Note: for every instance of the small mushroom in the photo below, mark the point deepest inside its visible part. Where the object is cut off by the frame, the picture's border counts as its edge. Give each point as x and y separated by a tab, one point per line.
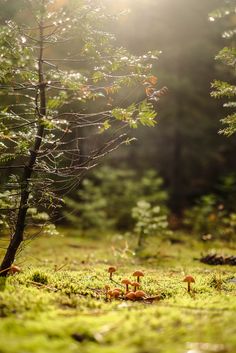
110	293
126	281
111	270
115	293
138	274
130	296
135	285
14	269
140	294
189	279
119	290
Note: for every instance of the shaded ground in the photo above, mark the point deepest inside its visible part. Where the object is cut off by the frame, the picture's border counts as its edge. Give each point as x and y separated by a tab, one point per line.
66	311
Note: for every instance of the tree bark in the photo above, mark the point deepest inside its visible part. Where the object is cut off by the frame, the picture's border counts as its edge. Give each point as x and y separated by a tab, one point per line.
18	236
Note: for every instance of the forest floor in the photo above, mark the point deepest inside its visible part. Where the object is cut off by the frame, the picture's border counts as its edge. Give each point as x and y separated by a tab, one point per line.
57	303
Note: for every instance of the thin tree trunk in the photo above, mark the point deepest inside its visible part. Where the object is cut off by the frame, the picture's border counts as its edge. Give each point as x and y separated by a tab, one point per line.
140	241
18	235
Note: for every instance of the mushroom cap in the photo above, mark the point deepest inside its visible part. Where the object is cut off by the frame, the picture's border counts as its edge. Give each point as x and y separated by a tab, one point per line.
117	289
130	296
111	269
189	279
107	287
135	284
110	293
126	281
14	269
140	294
138	273
115	293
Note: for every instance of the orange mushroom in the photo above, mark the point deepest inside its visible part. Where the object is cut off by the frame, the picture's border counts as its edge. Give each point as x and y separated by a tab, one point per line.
14	269
115	293
138	274
119	290
130	296
140	294
189	279
135	285
111	270
110	293
126	281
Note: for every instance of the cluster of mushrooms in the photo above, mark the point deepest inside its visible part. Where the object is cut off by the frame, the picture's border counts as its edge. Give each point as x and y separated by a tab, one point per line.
136	293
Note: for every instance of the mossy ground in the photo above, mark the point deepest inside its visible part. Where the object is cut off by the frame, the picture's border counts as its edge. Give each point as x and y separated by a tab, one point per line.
67	312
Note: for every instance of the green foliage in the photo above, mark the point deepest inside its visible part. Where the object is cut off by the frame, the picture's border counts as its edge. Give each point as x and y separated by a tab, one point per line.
149	221
9	203
205	216
224	11
226	189
228	227
61	77
211	219
228	57
90	212
106	199
133	115
5	204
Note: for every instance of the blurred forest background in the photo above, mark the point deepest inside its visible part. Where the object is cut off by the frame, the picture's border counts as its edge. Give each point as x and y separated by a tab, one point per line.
185	147
191	160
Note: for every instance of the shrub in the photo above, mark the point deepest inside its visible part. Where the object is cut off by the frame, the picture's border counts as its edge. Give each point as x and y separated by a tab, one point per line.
229	227
210	216
149	221
106	200
206	216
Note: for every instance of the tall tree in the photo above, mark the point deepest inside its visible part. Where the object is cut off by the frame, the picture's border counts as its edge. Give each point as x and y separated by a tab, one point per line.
56	61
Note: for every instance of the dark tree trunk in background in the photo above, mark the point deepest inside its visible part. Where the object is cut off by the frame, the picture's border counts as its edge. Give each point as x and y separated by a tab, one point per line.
177	162
176	177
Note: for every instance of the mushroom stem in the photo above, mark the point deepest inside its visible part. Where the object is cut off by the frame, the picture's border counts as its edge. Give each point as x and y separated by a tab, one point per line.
111	270
189	279
106	292
127	288
138	274
135	285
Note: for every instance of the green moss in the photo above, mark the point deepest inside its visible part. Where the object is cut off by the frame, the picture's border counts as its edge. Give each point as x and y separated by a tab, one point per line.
40	277
57	302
